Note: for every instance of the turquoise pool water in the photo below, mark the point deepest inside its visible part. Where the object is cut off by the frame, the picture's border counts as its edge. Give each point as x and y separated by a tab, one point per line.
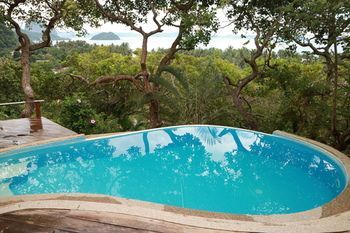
200	167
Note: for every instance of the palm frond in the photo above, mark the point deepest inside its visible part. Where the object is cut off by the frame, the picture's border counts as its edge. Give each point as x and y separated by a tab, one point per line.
166	84
178	74
208	134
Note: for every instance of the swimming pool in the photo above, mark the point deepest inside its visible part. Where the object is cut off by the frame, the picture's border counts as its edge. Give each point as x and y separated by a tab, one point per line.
210	168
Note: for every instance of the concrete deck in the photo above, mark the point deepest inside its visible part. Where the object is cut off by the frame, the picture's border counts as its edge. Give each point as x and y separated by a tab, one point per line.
17	132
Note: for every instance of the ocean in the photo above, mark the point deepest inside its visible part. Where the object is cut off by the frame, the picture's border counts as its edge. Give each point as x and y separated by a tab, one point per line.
156	42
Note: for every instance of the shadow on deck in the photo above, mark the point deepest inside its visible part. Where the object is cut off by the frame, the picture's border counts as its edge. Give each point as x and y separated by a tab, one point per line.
17	132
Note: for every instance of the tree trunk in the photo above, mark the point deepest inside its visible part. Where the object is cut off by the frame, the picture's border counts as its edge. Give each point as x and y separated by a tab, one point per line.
27	88
154	113
247	116
237	100
335	93
344	140
332	76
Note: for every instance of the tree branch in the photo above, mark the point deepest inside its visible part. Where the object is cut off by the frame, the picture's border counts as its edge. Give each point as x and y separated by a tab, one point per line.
118	18
46	36
172	50
183	7
23	38
310	45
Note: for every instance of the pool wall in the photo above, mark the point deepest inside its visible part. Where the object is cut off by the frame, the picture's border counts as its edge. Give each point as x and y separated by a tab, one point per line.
331	217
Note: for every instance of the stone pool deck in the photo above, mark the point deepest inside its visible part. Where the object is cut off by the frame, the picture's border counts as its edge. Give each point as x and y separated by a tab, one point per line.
99	213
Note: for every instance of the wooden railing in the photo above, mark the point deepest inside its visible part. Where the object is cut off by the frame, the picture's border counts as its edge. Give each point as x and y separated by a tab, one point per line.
35	122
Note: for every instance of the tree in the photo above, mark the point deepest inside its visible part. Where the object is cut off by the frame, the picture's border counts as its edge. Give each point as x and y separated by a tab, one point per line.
47	14
194	20
10	87
264	19
323	27
301	93
8	39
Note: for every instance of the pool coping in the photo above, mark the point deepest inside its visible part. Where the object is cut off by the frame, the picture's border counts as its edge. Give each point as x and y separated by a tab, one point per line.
329	217
39	143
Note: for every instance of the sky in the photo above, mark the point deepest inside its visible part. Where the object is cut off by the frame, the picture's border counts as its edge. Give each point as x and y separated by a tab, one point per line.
221	39
151	25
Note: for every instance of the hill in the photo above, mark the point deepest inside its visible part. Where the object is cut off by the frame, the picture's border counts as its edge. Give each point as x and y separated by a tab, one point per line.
34	31
36	36
105	36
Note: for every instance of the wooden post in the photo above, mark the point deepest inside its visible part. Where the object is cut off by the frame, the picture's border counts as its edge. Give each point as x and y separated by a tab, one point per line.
36	122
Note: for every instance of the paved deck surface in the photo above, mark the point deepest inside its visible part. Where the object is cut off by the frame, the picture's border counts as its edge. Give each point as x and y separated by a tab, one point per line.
17	132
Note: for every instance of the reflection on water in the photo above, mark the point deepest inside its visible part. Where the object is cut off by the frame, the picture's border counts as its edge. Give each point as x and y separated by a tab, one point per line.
208	168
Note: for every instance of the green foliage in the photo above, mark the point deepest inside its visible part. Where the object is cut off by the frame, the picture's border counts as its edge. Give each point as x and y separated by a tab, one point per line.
102	61
293	96
199	25
204	98
48	84
109	103
8	40
10	87
61	50
176	73
302	91
252	14
235	56
319	21
78	114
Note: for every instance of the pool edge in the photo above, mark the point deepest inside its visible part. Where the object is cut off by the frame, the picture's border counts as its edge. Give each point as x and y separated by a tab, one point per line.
201	220
40	143
341	203
331	216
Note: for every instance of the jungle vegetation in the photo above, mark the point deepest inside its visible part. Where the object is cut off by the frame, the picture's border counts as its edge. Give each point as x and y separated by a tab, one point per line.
100	89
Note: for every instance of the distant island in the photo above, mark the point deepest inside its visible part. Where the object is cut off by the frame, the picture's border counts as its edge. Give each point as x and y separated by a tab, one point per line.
105	36
36	36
